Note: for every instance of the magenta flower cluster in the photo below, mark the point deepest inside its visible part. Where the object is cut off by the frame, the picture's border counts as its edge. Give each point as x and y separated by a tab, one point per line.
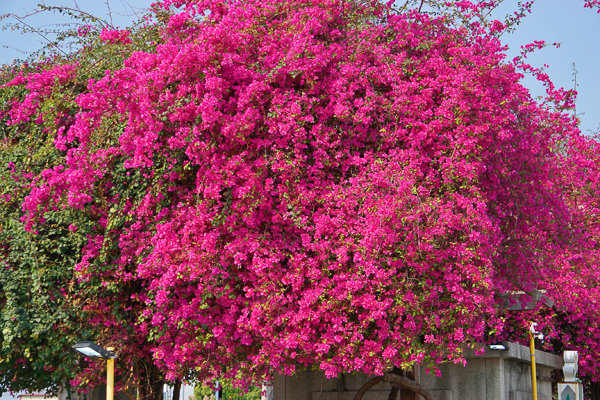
115	36
327	189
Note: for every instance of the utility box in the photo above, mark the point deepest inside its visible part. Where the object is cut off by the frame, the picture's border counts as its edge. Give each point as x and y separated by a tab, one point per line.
570	391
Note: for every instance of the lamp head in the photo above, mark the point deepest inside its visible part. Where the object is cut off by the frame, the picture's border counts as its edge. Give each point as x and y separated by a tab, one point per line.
498	346
91	349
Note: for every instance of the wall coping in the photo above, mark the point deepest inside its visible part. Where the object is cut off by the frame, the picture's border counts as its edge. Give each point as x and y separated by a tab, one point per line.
519	353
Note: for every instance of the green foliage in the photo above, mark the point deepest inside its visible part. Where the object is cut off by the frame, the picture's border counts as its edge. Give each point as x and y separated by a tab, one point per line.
38	320
41	300
200	391
229	393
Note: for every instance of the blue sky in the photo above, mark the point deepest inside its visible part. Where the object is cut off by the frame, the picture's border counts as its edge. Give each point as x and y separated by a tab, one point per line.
578	31
564	21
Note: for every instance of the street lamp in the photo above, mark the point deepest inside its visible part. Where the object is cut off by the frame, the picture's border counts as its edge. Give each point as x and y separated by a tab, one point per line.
512	301
533	334
91	349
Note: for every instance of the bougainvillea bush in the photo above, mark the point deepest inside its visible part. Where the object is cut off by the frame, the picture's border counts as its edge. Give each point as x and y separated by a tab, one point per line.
283	184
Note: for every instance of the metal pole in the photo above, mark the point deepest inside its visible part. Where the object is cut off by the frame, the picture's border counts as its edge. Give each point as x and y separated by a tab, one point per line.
110	376
533	372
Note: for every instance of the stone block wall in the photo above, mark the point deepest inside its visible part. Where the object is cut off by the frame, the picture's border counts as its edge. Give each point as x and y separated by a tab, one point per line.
495	375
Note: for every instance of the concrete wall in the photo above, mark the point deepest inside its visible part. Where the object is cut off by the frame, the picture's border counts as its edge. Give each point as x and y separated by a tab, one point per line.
490	379
312	385
495	375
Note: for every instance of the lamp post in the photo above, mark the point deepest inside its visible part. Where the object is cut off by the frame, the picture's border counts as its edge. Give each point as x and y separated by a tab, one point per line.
91	349
532	335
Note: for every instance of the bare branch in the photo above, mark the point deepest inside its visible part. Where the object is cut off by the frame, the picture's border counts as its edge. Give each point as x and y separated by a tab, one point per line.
129	395
36	31
109	12
77	10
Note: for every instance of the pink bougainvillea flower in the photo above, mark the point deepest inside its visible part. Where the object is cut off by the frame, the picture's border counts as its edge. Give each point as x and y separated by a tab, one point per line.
115	36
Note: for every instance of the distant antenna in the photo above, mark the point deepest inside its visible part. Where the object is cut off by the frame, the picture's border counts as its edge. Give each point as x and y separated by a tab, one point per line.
575	86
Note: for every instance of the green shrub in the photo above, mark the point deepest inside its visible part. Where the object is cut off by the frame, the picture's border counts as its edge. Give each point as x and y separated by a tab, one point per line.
228	393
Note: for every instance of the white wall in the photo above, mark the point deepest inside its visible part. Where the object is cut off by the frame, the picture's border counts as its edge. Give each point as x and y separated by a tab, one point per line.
15	396
184	394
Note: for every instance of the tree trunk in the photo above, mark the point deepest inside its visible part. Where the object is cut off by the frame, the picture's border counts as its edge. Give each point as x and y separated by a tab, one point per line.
373	382
406	383
158	385
151	383
177	389
407	394
398	382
